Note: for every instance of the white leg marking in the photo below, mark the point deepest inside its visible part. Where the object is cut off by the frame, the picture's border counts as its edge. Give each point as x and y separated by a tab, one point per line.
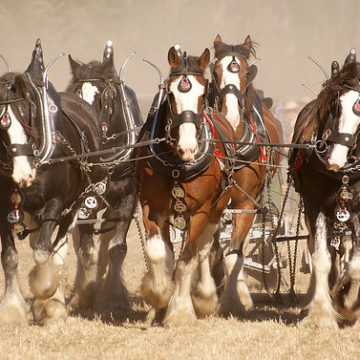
321	310
205	299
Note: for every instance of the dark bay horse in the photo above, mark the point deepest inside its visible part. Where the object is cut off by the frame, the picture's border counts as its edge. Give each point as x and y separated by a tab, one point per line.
327	177
233	94
100	237
38	124
183	183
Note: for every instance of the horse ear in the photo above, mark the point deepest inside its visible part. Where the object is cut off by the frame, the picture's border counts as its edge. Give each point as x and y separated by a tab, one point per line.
351	58
217	41
335	68
36	67
108	55
73	64
173	58
204	59
248	44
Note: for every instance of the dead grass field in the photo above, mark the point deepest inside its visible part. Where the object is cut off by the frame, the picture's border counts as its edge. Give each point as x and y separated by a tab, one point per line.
267	332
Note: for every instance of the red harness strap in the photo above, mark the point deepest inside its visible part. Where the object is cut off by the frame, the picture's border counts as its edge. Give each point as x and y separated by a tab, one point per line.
299	160
216	152
263	155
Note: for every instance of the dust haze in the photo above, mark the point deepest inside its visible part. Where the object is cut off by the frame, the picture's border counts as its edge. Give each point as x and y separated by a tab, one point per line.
287	32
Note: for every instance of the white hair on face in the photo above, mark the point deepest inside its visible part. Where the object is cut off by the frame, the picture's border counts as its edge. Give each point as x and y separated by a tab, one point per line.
22	170
89	92
348	123
187	101
231	100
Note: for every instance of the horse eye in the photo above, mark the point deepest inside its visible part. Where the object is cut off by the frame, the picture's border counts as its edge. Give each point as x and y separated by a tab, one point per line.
78	92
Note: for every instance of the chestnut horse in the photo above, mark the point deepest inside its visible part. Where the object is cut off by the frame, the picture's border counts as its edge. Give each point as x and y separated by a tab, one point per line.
328	179
100	237
183	184
233	94
38	124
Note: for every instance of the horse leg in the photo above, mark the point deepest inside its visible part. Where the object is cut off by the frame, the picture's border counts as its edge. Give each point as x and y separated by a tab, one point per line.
347	295
113	294
205	298
157	285
236	295
180	309
90	267
44	279
321	312
13	308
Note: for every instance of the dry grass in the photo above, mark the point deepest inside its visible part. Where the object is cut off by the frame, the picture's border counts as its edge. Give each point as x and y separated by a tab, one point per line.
267	332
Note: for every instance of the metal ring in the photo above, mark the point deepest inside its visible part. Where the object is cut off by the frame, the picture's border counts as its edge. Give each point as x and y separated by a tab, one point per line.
318	149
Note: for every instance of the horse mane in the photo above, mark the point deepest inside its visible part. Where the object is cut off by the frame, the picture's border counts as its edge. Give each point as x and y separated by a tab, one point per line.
348	75
95	70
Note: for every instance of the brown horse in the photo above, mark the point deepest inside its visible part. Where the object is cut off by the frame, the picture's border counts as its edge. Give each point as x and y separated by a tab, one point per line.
183	184
234	95
327	178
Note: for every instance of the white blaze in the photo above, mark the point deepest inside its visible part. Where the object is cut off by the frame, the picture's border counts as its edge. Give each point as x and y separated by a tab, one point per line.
348	123
231	101
89	92
22	171
187	101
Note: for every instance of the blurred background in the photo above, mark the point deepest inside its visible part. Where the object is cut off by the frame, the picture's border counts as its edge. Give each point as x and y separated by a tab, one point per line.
287	32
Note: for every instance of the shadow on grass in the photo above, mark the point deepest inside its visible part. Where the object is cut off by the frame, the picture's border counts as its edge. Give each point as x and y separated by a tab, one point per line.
134	313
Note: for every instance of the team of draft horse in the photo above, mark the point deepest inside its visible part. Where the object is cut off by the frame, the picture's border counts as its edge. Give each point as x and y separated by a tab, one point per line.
78	162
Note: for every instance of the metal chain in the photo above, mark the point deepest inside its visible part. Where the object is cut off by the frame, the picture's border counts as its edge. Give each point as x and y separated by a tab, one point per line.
257	204
143	239
292	293
277	292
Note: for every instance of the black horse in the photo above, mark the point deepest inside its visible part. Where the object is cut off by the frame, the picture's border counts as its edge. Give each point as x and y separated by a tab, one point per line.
101	237
328	179
37	125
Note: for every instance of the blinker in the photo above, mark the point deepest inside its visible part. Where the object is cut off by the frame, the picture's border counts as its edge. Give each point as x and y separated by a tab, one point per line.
233	66
5	121
356	107
184	84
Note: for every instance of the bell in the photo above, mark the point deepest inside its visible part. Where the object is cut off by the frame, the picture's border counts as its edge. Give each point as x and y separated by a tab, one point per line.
15	198
335	242
180	222
177	192
179	206
343	215
5	121
83	213
14	216
91	202
100	187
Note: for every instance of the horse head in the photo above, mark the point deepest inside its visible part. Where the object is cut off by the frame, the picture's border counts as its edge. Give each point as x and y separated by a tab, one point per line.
339	113
27	117
186	94
233	78
90	80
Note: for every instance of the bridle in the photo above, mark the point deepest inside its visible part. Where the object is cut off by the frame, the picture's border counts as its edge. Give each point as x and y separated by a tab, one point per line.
233	67
13	150
330	133
184	85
